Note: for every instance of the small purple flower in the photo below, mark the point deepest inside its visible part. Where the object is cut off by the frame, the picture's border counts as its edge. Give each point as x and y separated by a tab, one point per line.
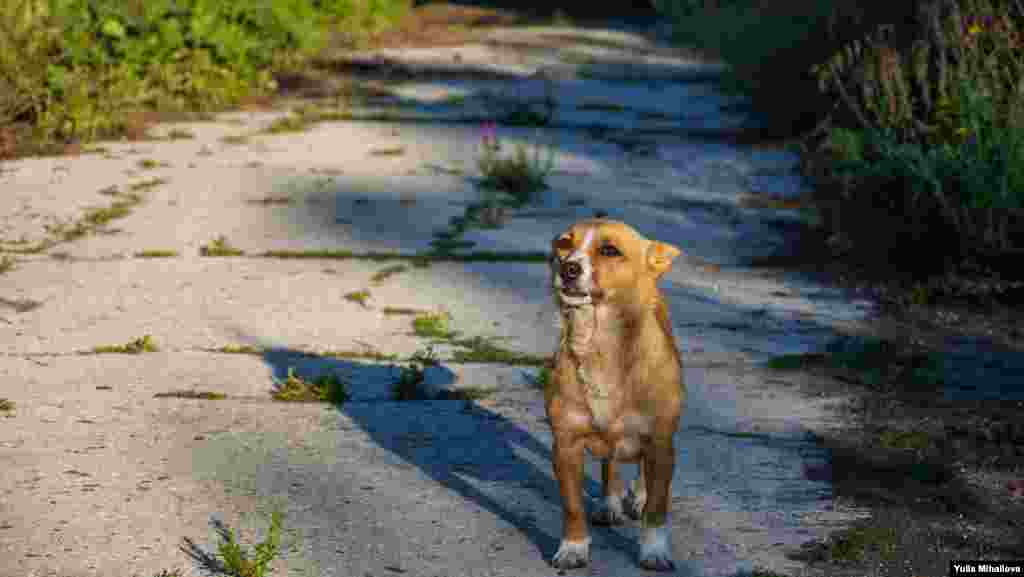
489	132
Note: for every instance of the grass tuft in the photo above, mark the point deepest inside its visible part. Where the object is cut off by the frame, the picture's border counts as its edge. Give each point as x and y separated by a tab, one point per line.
433	325
204	395
396	311
325	388
240	350
256	563
157	253
144	344
360	297
220	247
483	350
386	272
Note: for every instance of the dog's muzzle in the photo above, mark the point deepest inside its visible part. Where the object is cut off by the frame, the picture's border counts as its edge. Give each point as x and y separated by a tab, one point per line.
571	271
572	280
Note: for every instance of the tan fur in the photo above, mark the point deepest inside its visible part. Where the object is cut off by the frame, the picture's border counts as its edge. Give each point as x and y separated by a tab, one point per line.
616	388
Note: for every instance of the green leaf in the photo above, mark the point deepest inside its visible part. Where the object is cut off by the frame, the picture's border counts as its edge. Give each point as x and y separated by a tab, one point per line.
112	29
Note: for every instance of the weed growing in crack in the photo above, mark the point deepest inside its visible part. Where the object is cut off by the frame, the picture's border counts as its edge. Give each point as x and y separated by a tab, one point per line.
156	254
386	272
409	386
144	344
395	311
483	350
204	395
543	378
241	563
359	297
240	350
148	184
220	247
234	139
433	325
367	354
325	388
520	175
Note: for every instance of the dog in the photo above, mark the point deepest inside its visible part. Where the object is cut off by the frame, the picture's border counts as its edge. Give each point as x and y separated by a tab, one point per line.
616	388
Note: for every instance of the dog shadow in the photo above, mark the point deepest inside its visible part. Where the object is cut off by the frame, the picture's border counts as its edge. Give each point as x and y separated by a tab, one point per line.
489	454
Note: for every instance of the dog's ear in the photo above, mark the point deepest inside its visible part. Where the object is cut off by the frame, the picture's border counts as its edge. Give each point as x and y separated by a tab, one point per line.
660	256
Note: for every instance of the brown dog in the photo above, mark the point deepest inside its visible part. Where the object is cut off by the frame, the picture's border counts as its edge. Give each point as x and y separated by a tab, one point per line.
616	389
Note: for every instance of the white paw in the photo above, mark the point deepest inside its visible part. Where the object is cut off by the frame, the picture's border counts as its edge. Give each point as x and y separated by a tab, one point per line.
610	512
572	554
635	501
654	549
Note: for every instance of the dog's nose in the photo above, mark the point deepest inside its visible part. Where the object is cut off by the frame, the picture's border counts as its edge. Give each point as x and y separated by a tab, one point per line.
571	271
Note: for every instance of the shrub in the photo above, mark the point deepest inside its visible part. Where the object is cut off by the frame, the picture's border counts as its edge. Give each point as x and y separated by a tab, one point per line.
76	68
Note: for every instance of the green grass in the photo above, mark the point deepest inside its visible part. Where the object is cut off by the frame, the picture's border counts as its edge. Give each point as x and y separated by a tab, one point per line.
204	395
367	354
388	151
916	440
144	344
150	164
409	386
432	325
240	350
156	253
148	184
220	247
871	362
387	272
543	378
853	544
359	297
483	350
288	124
325	388
396	311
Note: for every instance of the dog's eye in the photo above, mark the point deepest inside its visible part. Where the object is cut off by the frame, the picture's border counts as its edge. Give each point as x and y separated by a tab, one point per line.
609	250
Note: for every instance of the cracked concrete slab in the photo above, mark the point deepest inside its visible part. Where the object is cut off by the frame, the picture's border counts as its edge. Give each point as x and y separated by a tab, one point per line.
106	477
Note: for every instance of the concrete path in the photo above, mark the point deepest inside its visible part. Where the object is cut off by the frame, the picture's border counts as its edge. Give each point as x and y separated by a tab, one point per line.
103	478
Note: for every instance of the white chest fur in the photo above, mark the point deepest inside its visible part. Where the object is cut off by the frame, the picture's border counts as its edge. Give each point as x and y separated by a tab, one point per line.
591	338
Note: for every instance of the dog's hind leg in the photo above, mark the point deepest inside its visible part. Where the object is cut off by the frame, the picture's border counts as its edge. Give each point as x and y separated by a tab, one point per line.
610	512
655	548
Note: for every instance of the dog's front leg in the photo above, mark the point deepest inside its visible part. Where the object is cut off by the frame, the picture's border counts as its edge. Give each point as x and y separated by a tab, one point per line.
611	511
655	548
574	550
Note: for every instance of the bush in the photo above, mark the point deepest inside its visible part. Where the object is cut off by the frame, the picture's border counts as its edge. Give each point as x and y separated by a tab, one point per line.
76	68
913	111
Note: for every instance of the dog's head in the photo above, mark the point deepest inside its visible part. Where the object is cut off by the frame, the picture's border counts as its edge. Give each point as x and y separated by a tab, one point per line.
606	261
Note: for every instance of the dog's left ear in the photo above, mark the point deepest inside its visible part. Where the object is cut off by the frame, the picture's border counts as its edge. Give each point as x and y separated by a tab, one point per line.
660	256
